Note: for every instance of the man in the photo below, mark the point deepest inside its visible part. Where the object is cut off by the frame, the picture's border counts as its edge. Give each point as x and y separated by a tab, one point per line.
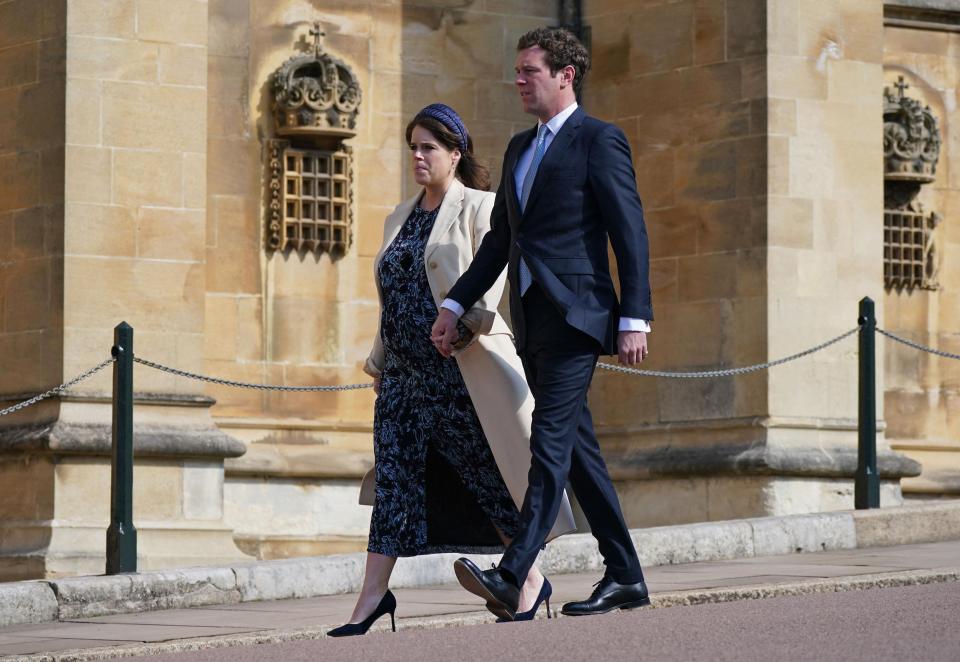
567	186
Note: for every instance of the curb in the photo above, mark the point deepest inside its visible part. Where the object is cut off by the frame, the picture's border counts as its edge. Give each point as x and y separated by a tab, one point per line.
659	601
45	601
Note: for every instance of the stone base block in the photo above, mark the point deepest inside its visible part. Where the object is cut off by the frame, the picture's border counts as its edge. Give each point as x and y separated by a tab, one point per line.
668	500
266	548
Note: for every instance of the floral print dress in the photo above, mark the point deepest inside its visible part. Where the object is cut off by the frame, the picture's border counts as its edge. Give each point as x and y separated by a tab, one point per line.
438	488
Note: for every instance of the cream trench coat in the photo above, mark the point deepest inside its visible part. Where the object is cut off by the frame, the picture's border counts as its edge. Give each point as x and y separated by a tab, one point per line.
490	366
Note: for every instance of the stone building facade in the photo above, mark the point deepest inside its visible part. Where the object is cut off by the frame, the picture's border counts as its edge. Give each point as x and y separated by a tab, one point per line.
135	184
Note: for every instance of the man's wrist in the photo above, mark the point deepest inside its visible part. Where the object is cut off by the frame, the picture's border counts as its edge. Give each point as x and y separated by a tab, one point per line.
453	307
633	324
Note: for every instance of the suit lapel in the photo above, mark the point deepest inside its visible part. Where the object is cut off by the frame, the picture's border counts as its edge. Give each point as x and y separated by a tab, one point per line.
447	215
513	197
556	153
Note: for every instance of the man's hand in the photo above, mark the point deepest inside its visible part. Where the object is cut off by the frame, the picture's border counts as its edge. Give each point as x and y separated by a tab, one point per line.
631	347
444	332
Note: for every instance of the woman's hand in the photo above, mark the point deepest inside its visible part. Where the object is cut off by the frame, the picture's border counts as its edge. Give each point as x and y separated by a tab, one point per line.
444	332
376	385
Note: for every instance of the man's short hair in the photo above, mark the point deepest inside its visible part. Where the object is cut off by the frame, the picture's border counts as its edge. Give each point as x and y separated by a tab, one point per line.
562	48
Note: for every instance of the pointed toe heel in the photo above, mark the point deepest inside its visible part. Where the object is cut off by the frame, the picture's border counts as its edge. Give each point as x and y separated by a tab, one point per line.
543	597
388	605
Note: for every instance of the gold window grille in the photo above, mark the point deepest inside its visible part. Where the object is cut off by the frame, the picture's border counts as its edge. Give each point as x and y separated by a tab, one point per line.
909	254
311	209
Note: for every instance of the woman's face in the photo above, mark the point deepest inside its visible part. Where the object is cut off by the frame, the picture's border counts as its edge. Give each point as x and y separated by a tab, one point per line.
433	164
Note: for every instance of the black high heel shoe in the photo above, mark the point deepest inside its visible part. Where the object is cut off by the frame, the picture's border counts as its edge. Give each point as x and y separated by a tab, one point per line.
388	605
546	590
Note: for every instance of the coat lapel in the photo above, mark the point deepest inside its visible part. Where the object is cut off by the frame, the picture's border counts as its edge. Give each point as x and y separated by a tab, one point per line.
391	227
447	215
556	153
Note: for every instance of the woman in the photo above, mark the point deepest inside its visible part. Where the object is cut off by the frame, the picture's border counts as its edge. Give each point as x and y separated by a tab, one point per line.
451	438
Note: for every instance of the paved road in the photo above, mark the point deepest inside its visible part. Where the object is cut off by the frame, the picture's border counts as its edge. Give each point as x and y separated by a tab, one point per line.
910	623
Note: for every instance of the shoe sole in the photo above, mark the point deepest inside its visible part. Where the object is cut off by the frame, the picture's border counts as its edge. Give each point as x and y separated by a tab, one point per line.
645	602
469	581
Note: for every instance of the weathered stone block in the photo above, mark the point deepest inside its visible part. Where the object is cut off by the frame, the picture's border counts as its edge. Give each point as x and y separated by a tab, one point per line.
661	37
82	112
27	602
746	28
111	59
31	282
171	234
18	65
907	525
19	22
146	293
178	117
85	597
146	178
173	21
803	533
194	180
103	18
19	180
699	542
300	578
709	35
100	230
183	65
89	175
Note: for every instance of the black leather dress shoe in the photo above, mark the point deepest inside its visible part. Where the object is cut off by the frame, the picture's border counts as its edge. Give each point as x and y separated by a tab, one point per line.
609	595
502	597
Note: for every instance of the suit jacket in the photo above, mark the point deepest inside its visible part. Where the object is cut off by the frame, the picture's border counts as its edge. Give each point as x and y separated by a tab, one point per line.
490	366
584	193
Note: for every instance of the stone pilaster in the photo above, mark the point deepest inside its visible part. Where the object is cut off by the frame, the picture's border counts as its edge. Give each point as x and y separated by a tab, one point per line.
130	231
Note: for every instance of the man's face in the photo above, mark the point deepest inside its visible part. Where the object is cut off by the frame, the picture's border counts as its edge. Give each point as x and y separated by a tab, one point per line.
539	90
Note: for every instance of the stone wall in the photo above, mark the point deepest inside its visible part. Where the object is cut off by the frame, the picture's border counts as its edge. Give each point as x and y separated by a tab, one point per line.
923	391
687	82
32	98
755	143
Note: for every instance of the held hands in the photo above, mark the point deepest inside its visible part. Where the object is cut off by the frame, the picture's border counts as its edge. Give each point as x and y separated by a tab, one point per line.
444	332
631	347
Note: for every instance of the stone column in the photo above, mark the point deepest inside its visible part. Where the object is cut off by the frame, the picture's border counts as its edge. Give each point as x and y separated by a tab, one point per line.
128	241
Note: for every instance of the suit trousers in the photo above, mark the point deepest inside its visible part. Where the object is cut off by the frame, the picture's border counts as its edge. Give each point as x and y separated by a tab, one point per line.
559	362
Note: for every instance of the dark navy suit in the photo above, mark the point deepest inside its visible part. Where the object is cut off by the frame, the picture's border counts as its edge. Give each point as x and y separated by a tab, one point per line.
584	193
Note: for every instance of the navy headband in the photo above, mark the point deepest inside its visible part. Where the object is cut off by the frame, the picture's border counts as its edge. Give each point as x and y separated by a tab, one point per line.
448	117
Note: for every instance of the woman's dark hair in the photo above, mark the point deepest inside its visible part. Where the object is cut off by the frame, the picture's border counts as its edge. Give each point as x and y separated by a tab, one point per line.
562	48
469	171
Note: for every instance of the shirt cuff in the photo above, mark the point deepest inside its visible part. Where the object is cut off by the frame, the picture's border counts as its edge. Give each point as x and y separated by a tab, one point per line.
453	306
630	324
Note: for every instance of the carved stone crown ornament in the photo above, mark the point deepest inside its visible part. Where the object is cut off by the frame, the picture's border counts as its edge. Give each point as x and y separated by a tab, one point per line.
316	100
315	94
911	149
911	138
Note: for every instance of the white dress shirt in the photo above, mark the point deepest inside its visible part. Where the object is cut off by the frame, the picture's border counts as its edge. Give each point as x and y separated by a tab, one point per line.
554	124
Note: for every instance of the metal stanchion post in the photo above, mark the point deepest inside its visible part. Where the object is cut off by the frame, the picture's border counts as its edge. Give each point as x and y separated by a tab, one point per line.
866	491
121	535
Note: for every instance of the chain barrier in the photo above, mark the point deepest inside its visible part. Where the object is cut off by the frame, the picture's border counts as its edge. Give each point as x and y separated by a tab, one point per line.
727	372
58	389
922	348
260	387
